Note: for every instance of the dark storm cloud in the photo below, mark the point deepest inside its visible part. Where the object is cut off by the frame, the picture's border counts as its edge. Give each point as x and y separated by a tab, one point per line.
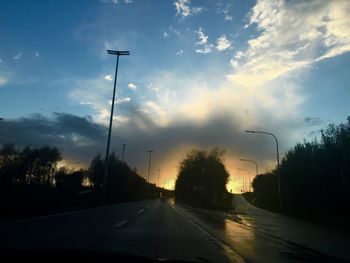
221	130
65	131
80	139
313	121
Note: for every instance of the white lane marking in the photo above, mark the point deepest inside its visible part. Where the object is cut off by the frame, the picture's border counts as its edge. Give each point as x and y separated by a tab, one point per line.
140	211
120	224
244	222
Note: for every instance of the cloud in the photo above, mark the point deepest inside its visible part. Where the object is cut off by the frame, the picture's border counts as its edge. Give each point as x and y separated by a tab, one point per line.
132	86
121	100
18	56
313	121
225	10
222	43
86	89
208	48
5	75
183	8
205	47
110	1
175	31
79	138
292	36
203	39
197	10
128	1
3	81
151	87
179	53
228	18
165	34
84	102
37	54
108	77
70	133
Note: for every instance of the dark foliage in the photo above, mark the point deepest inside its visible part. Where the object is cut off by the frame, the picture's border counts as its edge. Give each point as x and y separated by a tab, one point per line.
315	176
122	180
266	191
202	179
28	167
31	183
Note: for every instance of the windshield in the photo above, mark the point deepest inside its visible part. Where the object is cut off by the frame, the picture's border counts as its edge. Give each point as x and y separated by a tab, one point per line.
176	130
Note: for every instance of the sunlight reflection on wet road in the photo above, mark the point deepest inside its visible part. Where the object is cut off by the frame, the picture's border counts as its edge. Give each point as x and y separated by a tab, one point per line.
251	243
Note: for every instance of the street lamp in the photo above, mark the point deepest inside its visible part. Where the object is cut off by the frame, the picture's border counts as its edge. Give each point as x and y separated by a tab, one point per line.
158	177
243	184
123	151
118	54
278	163
251	161
149	166
248	177
262	132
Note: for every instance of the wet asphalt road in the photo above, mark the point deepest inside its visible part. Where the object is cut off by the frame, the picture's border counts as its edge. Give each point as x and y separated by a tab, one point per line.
156	229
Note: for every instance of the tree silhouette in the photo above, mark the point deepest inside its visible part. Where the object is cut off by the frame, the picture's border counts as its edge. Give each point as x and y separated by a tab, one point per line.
314	175
202	178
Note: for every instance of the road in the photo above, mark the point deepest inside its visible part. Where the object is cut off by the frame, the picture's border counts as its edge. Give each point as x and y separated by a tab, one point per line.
156	229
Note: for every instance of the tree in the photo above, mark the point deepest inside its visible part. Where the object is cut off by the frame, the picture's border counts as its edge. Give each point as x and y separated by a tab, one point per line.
30	166
96	172
266	190
202	178
314	175
69	182
8	165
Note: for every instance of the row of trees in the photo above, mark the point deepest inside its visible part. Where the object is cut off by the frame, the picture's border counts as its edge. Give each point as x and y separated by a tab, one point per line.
38	168
29	166
314	175
202	179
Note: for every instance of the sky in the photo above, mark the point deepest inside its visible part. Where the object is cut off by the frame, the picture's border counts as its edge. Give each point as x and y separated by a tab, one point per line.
199	74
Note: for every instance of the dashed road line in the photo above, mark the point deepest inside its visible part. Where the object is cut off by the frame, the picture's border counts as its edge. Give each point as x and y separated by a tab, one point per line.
140	211
120	224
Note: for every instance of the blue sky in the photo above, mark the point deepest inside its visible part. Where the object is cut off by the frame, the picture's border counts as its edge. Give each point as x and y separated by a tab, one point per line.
200	73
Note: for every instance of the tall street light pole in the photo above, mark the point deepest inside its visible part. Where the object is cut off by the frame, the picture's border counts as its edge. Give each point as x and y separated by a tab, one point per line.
118	54
278	163
158	177
248	177
251	161
123	152
149	166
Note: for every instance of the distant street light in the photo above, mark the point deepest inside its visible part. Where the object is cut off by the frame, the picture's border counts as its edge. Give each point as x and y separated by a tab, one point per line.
123	152
248	177
149	166
251	161
278	163
116	53
158	177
